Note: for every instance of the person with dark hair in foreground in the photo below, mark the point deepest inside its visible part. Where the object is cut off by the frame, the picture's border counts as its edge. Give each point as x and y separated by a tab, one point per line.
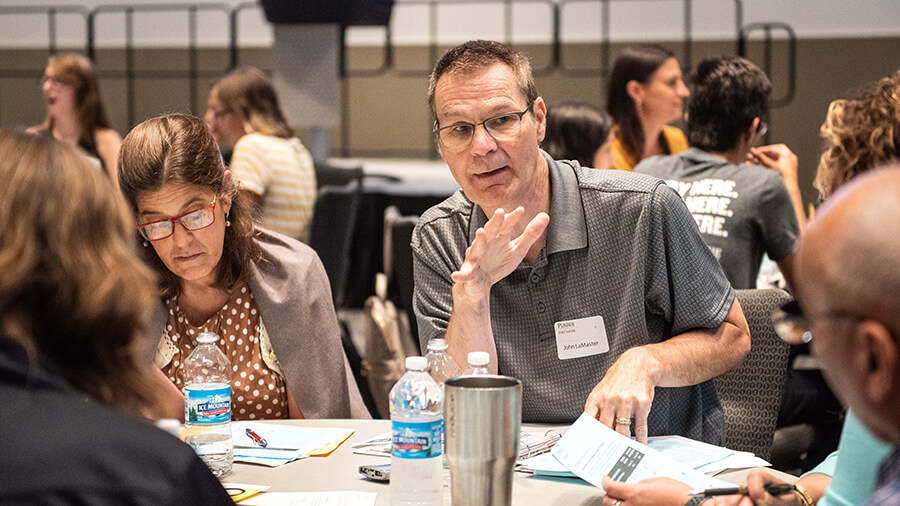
73	299
531	248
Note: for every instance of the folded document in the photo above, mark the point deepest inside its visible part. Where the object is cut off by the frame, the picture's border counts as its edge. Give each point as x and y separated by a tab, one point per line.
284	443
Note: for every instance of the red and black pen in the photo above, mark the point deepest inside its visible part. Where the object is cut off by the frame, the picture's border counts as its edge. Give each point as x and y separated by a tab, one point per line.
257	438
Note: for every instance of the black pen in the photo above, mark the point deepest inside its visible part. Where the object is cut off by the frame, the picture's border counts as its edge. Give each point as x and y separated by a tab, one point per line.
771	488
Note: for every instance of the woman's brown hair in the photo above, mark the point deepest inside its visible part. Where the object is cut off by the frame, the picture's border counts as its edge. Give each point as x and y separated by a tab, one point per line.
636	63
72	288
179	149
77	71
248	92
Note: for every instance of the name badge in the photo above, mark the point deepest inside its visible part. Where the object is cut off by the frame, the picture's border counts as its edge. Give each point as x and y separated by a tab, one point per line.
581	338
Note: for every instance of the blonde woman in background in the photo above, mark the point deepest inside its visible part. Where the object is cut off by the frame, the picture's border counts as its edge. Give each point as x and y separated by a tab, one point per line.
275	170
75	112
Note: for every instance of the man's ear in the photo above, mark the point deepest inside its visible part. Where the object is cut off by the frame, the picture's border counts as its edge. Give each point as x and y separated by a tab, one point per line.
539	108
877	362
747	137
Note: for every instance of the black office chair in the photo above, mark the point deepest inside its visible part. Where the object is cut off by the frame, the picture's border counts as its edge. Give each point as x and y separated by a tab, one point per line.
331	233
398	262
330	175
751	393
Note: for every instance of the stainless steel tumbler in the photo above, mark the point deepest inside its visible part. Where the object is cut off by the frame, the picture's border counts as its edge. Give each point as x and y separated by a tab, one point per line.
482	417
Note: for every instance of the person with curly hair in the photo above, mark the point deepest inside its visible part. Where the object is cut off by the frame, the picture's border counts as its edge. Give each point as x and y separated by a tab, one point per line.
859	133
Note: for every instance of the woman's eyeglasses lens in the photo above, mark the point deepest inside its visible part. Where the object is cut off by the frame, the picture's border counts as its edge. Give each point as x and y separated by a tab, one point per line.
791	324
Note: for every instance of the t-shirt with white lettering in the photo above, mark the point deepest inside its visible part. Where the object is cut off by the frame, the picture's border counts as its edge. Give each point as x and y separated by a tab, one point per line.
742	211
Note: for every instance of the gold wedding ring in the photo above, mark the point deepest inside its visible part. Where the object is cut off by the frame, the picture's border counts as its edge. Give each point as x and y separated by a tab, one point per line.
623	421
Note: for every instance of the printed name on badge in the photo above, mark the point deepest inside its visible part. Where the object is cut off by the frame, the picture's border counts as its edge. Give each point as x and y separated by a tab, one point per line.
581	338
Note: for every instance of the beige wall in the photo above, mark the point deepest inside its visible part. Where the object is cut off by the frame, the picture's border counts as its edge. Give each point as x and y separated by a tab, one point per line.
387	112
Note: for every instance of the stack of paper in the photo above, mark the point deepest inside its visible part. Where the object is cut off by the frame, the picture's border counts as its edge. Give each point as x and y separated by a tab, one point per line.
284	443
591	450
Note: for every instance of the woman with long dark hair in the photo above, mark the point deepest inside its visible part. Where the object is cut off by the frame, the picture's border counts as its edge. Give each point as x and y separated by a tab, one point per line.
645	93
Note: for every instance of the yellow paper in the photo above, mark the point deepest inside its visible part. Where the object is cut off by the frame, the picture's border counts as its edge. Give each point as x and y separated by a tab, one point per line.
330	447
246	494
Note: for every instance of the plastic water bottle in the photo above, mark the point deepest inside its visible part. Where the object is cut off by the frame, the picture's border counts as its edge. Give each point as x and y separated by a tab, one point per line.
478	362
417	425
207	404
440	364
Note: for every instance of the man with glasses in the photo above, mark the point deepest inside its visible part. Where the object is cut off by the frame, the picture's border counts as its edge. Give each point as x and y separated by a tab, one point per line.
592	287
743	211
848	284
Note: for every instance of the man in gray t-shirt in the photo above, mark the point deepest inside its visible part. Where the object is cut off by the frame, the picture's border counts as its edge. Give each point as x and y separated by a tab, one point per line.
743	211
591	286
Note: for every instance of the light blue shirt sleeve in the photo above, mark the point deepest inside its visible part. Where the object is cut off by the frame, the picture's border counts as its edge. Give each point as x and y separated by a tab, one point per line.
853	467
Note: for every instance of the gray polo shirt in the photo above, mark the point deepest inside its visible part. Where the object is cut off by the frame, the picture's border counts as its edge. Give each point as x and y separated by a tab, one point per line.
619	245
742	211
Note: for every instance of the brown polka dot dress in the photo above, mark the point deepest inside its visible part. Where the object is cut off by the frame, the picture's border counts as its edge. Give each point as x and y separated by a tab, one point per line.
257	390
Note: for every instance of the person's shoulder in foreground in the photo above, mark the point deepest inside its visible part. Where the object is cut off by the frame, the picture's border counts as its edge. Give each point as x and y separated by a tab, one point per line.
61	448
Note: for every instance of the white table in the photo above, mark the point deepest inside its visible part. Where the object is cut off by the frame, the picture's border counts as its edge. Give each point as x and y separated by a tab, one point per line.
339	471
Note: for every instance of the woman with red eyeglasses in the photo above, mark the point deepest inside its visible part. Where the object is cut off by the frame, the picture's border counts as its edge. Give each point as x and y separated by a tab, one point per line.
265	294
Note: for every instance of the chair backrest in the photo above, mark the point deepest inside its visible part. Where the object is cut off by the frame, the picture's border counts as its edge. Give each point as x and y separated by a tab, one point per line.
331	233
330	175
398	261
751	393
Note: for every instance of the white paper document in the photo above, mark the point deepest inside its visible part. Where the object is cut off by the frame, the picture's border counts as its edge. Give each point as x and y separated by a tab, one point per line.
592	450
348	498
704	457
284	443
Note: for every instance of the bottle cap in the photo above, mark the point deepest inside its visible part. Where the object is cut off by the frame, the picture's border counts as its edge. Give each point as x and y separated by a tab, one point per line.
437	344
207	337
416	363
479	358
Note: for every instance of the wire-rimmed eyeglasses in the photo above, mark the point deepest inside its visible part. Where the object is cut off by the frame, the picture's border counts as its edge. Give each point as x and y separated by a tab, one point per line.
460	134
192	220
795	327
